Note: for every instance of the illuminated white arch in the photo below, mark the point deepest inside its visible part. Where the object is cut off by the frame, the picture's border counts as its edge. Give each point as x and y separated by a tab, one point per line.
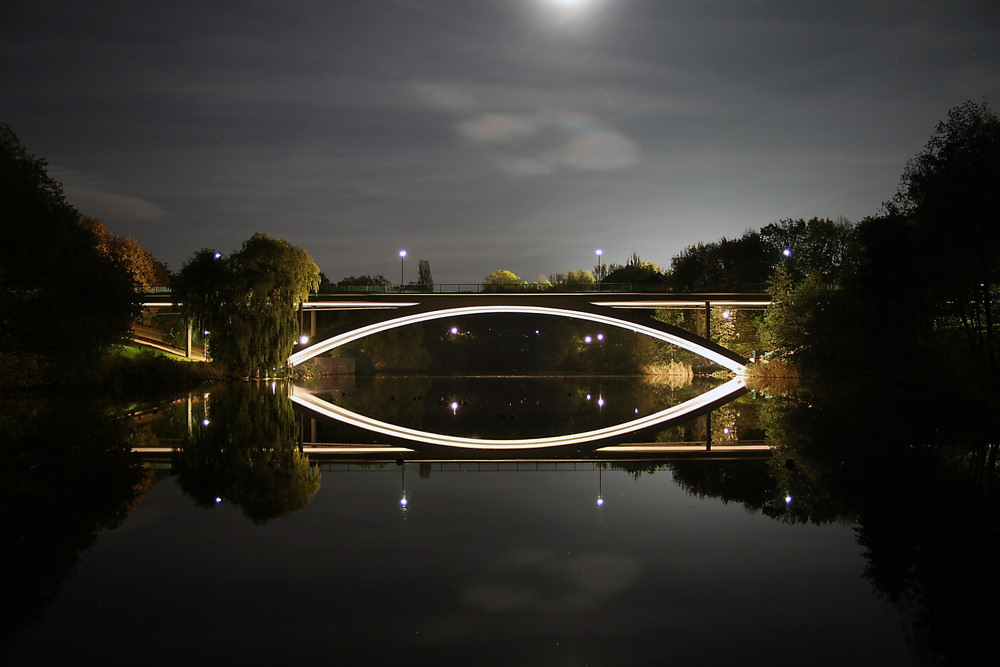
361	332
302	396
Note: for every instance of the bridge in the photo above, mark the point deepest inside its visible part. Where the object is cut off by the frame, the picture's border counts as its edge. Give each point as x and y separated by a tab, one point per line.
629	310
625	310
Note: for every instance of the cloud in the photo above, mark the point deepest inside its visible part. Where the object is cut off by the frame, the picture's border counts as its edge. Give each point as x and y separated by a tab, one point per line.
540	580
534	144
497	127
523	166
94	197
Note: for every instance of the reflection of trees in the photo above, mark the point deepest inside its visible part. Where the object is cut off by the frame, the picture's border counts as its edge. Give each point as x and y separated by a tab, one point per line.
248	454
65	474
394	399
930	541
734	421
747	482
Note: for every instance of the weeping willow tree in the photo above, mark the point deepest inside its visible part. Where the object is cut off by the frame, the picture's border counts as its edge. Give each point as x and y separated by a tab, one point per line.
248	302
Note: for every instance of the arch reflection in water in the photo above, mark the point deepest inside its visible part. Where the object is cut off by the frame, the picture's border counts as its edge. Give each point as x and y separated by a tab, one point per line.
305	398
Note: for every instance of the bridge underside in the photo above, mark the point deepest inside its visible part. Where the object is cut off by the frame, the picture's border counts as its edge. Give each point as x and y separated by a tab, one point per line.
392	311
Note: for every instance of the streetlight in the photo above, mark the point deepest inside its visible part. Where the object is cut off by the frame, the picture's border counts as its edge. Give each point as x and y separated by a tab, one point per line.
402	257
600	264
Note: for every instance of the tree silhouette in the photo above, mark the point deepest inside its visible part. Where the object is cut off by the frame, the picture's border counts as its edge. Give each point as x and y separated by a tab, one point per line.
248	302
61	300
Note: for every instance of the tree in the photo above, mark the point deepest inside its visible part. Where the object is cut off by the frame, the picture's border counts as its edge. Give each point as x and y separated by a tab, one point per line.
146	270
580	276
601	271
948	195
248	302
728	264
399	349
424	275
634	270
499	279
789	324
363	283
61	301
819	245
572	279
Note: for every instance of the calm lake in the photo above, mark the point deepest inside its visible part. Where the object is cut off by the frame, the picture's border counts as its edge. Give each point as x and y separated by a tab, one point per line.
253	525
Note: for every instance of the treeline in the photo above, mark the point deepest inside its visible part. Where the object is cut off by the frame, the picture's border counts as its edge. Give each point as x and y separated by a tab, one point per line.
917	284
916	281
62	299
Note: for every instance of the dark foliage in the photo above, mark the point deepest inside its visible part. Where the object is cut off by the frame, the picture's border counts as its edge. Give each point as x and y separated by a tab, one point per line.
61	300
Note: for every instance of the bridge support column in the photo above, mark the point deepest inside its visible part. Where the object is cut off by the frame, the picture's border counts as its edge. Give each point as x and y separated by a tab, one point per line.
708	320
312	324
708	431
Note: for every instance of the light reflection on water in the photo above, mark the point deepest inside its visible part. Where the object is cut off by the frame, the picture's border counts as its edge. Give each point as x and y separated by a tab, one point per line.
505	560
493	567
633	423
506	411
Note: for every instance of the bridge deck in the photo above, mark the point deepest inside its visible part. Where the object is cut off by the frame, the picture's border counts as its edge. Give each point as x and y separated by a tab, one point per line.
346	301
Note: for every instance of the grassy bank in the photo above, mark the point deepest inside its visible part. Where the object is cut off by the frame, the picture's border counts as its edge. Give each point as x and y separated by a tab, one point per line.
135	369
124	369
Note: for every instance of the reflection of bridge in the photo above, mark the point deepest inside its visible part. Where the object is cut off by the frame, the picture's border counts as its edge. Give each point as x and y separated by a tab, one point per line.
191	412
624	310
695	450
701	404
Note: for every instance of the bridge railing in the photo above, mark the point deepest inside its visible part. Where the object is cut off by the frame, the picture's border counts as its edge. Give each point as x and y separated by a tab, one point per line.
475	288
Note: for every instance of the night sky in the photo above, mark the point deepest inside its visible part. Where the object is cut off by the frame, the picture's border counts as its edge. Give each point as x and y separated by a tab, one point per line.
516	134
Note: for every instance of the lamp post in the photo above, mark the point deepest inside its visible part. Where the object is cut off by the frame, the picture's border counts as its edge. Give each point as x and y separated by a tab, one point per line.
600	265
402	259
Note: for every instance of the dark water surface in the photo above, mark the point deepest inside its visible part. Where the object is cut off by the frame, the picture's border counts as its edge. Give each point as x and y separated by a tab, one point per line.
236	549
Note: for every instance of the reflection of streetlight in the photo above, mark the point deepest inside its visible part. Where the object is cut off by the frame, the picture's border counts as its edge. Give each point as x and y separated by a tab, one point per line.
600	495
402	500
402	256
